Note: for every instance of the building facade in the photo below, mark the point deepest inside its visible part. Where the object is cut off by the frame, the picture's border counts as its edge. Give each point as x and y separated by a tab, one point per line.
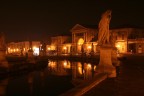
84	40
59	45
21	48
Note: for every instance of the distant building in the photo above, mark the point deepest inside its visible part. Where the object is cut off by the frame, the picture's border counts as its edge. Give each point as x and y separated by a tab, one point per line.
59	45
84	40
21	48
129	39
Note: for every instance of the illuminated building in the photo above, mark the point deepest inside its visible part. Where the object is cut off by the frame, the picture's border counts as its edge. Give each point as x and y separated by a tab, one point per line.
59	45
21	48
84	40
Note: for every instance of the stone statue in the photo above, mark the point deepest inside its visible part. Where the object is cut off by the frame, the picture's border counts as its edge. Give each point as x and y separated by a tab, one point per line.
2	41
103	35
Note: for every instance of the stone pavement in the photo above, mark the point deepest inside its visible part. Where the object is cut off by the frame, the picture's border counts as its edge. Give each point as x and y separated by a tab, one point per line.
129	82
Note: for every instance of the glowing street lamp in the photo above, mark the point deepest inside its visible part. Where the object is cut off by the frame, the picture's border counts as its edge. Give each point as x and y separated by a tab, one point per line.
49	48
64	48
89	47
118	46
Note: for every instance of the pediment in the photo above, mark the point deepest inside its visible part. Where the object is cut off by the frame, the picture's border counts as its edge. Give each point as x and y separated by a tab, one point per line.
78	27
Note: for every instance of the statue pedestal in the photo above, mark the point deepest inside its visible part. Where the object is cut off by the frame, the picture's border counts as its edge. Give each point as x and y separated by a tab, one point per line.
3	61
105	64
115	60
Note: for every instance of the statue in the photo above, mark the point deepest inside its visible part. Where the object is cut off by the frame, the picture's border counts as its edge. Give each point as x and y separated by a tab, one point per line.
107	53
103	35
2	41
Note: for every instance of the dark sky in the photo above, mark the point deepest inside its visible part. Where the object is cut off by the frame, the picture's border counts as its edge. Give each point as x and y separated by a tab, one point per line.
39	20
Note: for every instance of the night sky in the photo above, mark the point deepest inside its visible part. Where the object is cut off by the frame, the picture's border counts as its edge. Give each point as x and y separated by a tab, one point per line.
39	20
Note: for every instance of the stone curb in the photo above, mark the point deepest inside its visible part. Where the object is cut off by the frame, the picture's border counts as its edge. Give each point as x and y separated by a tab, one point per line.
85	87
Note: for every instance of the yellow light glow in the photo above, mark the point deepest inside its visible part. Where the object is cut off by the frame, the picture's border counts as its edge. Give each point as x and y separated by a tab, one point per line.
89	47
80	70
24	49
64	48
65	63
95	67
89	66
17	49
118	46
34	48
49	48
52	64
14	50
80	41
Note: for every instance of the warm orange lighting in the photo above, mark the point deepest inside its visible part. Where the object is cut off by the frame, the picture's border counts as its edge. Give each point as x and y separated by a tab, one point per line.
65	63
65	48
17	49
95	67
121	47
89	66
52	64
80	70
80	41
49	48
34	48
89	47
118	46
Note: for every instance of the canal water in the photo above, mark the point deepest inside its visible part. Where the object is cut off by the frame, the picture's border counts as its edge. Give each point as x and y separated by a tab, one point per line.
58	77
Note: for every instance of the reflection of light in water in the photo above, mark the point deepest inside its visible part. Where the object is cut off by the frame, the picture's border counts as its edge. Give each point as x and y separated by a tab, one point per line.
52	64
95	67
59	67
80	70
66	65
89	66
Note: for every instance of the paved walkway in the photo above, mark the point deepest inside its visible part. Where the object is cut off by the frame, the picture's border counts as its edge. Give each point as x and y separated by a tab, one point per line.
130	81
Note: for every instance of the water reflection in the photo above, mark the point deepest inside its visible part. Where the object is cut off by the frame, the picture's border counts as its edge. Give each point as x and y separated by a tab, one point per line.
56	78
80	71
61	68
